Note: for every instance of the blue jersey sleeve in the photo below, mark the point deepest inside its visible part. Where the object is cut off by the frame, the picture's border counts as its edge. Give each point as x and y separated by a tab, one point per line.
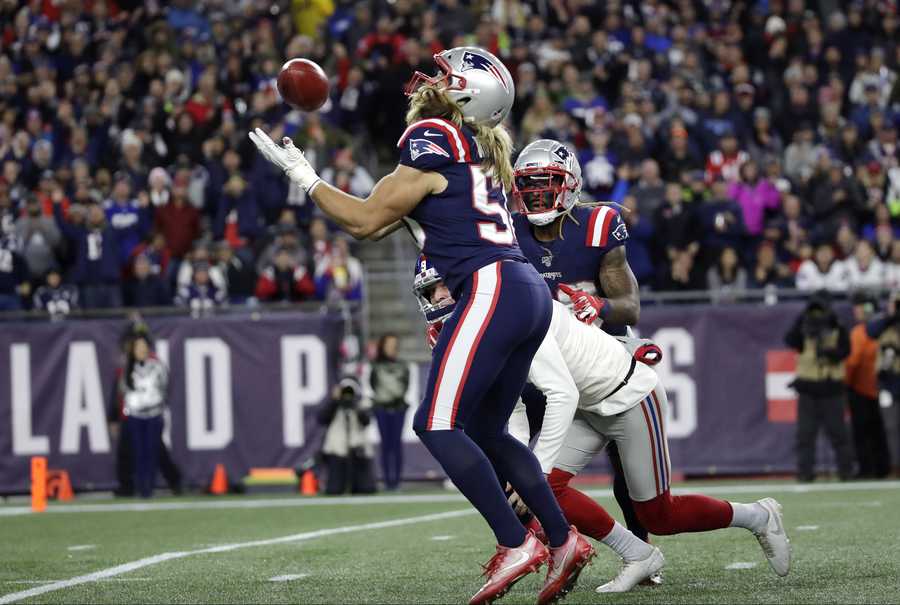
605	228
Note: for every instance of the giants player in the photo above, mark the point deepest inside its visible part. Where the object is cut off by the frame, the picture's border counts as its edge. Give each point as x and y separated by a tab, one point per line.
598	391
454	167
579	251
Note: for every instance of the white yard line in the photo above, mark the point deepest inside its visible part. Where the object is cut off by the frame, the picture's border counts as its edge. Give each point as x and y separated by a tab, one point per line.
208	504
289	577
78	547
740	565
110	572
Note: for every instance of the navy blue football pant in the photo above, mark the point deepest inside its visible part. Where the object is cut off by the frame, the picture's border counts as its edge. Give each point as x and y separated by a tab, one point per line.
479	366
146	435
390	426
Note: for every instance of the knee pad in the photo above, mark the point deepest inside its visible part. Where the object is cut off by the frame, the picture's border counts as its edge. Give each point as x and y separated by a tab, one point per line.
656	514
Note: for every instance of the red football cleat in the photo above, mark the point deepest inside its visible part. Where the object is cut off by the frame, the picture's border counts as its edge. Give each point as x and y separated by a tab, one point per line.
566	563
508	566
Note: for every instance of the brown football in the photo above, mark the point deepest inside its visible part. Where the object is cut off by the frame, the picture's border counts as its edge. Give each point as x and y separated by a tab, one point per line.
303	84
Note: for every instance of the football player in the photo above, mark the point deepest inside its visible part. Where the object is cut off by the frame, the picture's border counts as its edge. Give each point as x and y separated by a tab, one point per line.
455	164
597	390
581	248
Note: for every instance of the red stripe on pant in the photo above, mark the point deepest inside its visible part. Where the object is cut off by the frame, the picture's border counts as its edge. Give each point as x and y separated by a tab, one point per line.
650	434
666	514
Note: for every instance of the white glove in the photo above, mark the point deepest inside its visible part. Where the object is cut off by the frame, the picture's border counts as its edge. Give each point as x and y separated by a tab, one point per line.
289	158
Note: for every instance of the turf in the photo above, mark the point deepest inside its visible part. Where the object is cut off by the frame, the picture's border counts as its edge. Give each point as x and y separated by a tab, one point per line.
852	557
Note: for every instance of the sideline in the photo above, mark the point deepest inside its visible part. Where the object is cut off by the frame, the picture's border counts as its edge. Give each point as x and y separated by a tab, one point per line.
450	497
110	572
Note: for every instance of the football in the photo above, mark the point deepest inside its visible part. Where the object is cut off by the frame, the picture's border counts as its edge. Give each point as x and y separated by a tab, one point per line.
303	84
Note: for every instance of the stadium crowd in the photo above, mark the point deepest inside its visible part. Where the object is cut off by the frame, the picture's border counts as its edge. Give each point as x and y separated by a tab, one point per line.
749	143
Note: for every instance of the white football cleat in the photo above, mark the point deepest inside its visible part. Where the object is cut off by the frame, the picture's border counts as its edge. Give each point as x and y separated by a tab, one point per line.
774	540
634	572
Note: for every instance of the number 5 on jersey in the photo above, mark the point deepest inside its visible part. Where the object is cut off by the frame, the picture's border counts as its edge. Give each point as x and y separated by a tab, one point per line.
490	230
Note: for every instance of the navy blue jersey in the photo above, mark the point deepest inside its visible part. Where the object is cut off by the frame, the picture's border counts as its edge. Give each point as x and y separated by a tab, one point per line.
467	226
56	301
574	259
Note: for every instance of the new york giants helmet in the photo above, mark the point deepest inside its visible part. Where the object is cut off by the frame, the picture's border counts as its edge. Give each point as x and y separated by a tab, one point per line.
476	80
547	181
424	282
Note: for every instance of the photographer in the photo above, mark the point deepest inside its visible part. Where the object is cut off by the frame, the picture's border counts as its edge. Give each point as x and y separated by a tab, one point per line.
823	344
886	330
347	451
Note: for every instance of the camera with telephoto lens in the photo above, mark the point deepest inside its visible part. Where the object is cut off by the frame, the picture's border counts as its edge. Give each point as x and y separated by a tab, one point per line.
349	394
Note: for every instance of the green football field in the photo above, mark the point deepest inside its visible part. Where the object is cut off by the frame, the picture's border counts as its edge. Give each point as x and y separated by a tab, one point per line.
422	548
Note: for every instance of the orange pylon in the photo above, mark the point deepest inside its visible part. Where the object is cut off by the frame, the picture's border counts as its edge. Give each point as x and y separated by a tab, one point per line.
309	485
38	484
59	486
219	484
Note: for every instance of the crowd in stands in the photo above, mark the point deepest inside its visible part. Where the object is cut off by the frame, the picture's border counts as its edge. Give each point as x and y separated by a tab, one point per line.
748	143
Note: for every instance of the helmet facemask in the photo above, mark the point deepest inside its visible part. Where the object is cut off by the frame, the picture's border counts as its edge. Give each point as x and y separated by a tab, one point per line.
444	80
541	192
424	286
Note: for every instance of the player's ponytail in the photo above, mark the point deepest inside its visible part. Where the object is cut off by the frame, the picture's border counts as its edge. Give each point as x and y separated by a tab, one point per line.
430	101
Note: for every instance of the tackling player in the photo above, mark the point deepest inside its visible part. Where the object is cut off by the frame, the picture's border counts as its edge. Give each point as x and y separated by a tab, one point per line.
454	167
596	392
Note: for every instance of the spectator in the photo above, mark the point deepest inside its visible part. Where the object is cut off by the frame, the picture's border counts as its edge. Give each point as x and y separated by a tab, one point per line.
236	266
725	162
54	297
129	218
679	156
680	274
823	344
145	383
340	278
823	273
722	220
284	280
178	222
864	269
146	288
756	195
801	155
727	279
869	438
237	218
768	271
389	380
14	282
199	255
765	143
347	175
96	265
201	296
648	192
39	237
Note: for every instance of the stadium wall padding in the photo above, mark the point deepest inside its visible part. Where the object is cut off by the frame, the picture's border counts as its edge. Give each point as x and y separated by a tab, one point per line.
243	392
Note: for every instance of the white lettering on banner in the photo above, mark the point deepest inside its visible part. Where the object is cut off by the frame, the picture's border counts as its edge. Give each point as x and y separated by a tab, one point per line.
215	432
83	404
162	353
300	388
24	443
677	345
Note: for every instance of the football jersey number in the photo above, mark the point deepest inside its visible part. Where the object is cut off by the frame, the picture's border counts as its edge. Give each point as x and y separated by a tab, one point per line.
94	246
489	230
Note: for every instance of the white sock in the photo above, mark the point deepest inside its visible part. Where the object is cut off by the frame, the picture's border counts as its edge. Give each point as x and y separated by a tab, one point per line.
626	544
749	516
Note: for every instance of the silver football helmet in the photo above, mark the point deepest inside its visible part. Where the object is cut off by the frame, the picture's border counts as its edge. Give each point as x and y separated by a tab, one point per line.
474	78
425	280
547	181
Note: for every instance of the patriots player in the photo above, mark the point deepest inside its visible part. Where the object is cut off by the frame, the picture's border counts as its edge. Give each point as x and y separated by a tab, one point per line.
449	186
580	253
597	391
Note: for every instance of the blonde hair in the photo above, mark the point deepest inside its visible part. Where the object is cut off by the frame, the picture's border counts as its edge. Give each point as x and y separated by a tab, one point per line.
429	101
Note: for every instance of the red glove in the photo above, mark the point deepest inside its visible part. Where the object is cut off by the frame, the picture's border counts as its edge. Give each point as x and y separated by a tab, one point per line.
587	307
432	331
649	354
